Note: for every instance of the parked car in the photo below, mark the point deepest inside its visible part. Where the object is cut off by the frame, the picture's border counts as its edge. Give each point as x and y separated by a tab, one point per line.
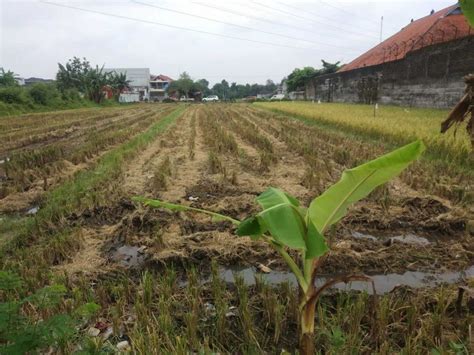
211	98
277	97
186	99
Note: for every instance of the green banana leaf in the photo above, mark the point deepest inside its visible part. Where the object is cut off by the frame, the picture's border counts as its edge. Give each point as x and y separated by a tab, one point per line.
250	227
285	224
357	183
273	196
174	207
315	242
467	7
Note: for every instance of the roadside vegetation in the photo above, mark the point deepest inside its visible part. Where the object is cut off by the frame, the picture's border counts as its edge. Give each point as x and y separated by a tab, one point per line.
77	85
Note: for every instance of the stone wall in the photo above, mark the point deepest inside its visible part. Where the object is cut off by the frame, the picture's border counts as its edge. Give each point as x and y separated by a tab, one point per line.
429	77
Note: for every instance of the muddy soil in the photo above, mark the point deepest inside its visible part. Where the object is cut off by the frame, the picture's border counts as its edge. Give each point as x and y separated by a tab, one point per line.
413	232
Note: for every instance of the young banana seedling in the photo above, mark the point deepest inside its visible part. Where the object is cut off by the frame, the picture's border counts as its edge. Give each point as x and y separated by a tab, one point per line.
284	224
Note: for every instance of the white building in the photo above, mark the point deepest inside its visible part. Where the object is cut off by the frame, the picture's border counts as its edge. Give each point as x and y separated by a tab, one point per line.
139	80
20	81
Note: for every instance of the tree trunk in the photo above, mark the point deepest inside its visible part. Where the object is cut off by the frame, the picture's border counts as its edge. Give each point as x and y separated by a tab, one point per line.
306	345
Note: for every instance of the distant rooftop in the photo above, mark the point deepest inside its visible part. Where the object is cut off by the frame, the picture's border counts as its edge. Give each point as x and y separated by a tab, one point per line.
438	27
160	77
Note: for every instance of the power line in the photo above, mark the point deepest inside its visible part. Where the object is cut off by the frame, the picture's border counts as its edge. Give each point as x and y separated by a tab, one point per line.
237	25
309	19
315	14
343	10
169	26
249	16
261	19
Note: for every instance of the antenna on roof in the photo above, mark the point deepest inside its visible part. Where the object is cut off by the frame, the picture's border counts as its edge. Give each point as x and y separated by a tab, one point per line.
381	28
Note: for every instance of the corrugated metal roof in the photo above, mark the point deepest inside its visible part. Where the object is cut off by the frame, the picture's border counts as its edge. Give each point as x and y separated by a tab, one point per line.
442	26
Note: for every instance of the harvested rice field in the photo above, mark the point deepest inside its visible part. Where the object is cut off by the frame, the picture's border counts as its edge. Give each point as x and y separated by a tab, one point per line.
131	278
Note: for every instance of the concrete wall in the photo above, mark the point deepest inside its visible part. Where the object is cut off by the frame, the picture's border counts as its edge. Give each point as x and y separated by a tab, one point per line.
429	77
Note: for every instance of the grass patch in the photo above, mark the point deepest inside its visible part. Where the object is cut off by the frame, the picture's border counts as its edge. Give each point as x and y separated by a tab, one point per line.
392	125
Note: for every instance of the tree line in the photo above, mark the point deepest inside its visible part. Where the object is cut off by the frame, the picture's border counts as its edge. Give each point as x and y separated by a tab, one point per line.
296	80
185	86
78	82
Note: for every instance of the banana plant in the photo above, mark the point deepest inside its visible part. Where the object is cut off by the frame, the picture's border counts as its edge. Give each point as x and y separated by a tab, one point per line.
285	224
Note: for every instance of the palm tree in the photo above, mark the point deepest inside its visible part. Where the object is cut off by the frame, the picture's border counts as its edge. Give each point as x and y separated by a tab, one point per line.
7	78
94	81
119	82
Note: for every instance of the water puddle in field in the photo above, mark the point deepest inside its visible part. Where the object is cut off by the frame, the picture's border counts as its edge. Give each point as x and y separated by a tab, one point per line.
358	235
383	283
33	210
129	256
408	238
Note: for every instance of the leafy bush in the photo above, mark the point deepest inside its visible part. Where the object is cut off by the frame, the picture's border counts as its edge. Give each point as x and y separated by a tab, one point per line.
71	95
44	94
14	95
33	322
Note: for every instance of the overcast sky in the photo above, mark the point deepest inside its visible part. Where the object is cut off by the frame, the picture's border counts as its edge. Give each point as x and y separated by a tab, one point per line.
248	41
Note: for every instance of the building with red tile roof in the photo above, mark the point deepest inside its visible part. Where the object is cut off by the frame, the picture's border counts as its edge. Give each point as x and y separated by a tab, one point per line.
442	26
422	65
159	86
160	77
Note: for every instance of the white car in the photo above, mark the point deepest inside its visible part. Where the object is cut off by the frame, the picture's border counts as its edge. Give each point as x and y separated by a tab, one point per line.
277	97
211	98
186	99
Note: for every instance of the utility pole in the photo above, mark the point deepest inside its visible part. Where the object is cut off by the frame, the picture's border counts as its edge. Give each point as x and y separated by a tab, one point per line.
381	28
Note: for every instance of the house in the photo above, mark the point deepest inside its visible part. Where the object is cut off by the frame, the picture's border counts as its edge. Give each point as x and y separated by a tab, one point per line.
139	81
282	88
158	87
422	65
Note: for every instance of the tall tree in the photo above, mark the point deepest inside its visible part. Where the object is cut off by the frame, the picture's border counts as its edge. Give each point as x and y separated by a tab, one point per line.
7	78
329	68
119	82
78	74
72	74
94	82
298	77
183	85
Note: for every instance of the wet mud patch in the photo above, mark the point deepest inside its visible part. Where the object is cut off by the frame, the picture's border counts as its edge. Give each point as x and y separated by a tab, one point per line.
370	251
190	226
424	206
209	191
202	247
129	256
426	216
103	215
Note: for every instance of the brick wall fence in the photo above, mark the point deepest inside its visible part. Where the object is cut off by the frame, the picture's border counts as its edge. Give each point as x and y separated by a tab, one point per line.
428	77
